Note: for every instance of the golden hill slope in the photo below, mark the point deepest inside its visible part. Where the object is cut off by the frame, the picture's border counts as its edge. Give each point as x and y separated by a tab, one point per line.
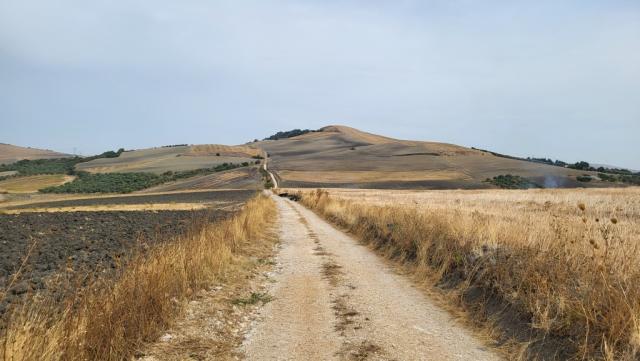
13	153
176	158
340	156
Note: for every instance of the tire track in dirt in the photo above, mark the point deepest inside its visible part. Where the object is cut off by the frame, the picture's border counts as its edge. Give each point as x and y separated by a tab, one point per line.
336	300
347	318
298	323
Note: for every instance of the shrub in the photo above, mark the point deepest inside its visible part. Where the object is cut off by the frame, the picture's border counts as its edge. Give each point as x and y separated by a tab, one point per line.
630	179
581	166
289	134
130	182
509	181
107	183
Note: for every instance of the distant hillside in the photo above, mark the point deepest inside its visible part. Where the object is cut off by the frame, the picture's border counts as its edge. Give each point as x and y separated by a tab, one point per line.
340	156
174	158
13	153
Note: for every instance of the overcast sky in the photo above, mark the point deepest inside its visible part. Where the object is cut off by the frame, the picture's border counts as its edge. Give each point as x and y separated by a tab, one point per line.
558	79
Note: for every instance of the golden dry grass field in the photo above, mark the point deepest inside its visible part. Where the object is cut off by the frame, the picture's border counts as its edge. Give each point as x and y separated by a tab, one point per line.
31	184
565	262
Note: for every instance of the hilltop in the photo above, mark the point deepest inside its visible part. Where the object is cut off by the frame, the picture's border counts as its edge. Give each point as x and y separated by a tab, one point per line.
343	157
13	153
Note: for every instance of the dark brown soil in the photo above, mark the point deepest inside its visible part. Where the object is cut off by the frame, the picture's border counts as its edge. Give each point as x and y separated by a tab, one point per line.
81	243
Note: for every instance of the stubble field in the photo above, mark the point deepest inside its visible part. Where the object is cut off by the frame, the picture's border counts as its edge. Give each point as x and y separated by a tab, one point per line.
554	272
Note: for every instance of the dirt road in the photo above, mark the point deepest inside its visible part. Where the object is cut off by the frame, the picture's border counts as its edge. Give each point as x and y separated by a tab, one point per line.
273	178
333	299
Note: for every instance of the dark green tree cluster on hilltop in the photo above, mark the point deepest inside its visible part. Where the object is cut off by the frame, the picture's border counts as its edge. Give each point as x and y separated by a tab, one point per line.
289	134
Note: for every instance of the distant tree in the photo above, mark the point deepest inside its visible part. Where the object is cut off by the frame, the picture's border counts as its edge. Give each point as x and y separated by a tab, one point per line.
584	178
289	134
582	165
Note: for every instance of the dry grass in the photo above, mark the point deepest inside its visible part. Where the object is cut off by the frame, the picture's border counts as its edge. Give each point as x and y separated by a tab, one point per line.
8	173
223	150
160	160
345	155
240	178
111	319
370	176
31	184
560	267
13	153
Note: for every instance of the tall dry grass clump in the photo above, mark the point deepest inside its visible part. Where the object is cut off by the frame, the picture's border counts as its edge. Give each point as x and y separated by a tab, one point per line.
110	319
555	272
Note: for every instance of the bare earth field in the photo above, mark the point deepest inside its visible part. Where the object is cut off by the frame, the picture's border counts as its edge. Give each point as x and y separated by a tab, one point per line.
80	242
87	235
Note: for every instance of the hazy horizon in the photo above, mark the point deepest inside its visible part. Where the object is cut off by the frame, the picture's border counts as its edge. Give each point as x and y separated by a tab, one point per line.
550	79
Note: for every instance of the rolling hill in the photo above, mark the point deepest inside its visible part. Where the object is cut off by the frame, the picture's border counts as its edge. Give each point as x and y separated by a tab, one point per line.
344	157
173	158
13	153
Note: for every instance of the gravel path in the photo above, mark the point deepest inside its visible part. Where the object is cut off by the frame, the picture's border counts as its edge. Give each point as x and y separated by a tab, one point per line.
333	299
298	323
